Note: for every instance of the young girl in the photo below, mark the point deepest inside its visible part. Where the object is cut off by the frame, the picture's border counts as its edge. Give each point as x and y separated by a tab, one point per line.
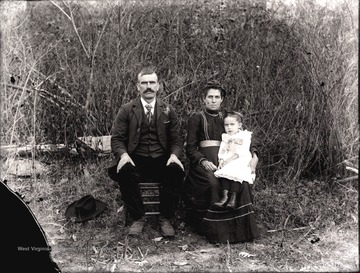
234	158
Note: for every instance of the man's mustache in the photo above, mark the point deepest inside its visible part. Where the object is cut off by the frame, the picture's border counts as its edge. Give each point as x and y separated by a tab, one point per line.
149	90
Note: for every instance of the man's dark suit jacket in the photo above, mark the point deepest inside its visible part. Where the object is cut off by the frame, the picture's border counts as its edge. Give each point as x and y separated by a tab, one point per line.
125	133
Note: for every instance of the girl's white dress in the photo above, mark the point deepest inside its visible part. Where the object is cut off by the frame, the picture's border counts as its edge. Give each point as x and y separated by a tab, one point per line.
238	169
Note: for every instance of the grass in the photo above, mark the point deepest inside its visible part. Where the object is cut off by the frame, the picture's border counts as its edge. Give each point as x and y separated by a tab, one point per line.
99	245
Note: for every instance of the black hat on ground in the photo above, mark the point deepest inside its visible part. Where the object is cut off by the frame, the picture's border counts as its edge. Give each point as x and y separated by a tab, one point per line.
84	209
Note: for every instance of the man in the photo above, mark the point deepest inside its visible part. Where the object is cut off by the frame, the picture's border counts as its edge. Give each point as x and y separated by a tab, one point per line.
146	143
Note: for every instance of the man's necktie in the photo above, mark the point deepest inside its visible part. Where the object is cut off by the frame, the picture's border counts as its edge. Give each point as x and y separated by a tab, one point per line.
148	113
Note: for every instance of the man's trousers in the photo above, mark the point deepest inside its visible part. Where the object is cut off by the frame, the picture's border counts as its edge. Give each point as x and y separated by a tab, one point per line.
171	178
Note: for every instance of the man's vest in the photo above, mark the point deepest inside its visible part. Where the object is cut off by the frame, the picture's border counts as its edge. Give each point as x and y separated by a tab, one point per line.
149	144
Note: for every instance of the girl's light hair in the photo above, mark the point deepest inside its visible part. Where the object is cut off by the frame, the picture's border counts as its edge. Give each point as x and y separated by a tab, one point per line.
234	114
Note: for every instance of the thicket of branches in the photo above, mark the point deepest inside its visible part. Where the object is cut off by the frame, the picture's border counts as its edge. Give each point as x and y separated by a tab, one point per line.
67	67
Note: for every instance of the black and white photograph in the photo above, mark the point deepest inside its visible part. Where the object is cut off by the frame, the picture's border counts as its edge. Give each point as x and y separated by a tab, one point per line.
179	135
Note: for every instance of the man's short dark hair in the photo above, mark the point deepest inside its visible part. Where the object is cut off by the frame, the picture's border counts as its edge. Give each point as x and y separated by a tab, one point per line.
147	71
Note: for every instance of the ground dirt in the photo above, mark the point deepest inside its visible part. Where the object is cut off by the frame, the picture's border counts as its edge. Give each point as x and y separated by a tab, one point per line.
101	244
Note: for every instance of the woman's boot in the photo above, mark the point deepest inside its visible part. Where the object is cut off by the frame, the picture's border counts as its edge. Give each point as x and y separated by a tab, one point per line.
223	199
232	202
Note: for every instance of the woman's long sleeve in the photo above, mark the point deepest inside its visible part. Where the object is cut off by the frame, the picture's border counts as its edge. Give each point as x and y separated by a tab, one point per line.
193	139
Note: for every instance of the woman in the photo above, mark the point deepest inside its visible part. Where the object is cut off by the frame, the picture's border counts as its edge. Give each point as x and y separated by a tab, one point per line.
202	188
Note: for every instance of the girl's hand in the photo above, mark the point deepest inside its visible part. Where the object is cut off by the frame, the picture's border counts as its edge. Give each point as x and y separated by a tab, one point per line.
221	163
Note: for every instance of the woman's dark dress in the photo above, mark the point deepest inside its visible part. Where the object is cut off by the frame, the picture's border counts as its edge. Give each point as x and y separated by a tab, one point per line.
202	188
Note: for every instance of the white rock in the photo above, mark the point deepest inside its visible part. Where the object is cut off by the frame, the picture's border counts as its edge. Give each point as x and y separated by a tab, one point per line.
25	167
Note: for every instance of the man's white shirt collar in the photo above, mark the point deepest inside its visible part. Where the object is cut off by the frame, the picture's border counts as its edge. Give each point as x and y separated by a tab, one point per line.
151	103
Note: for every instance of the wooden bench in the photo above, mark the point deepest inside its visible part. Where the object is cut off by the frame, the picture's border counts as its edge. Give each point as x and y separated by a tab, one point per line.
150	193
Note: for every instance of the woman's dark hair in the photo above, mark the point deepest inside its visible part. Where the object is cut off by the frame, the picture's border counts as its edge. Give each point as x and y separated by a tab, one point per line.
214	85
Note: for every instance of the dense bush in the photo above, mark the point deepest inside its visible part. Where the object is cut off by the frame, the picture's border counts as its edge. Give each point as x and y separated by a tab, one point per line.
292	72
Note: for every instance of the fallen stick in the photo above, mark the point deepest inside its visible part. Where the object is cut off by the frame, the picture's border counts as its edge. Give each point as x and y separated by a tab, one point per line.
346	187
302	237
286	229
352	169
305	234
142	256
125	247
28	149
348	179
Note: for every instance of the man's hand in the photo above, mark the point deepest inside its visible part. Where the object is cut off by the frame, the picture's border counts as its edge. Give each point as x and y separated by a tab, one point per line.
209	166
174	159
253	162
125	158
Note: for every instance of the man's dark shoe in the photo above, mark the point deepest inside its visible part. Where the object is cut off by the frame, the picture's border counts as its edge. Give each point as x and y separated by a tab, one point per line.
137	227
167	229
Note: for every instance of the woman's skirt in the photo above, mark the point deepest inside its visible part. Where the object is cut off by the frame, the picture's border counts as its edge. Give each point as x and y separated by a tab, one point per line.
222	225
219	225
201	188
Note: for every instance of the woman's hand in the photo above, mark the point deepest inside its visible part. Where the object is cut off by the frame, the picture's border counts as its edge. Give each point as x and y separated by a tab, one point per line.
209	166
253	162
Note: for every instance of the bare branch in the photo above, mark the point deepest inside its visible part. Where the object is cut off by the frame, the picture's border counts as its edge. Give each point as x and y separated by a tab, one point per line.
348	179
352	169
71	18
89	94
101	34
61	10
182	87
284	229
19	104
